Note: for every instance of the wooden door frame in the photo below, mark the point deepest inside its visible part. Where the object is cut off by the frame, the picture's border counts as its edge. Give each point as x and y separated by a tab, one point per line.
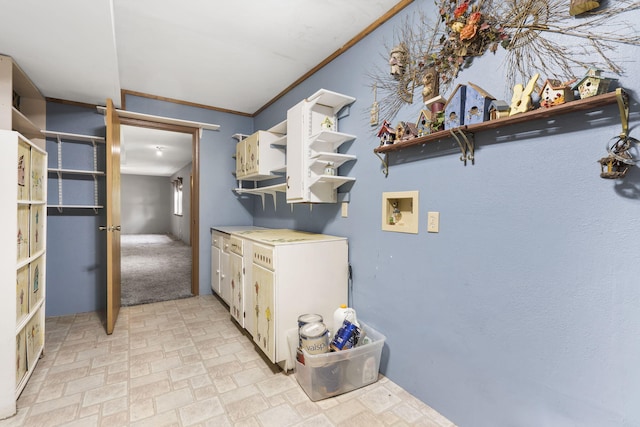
194	214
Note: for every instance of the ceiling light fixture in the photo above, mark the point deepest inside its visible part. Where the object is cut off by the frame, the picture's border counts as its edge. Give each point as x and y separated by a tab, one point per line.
159	150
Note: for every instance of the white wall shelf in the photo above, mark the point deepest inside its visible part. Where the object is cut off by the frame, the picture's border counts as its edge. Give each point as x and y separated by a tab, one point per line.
60	172
270	190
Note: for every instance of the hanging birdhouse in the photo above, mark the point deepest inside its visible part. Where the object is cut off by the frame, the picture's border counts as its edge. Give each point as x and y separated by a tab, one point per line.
554	92
613	168
592	84
617	163
398	61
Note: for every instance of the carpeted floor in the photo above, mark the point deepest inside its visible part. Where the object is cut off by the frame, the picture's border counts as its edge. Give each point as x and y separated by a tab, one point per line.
154	267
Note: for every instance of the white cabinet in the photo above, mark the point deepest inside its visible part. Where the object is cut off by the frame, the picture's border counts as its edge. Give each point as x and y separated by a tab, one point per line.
312	143
260	156
22	309
220	264
221	260
293	273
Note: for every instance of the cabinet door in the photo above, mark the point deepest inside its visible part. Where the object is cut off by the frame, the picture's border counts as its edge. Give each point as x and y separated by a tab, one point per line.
253	153
225	282
263	288
295	154
215	270
236	277
241	159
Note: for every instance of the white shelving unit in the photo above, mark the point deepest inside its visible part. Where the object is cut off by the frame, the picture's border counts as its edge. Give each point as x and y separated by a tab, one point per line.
23	163
22	309
312	143
62	138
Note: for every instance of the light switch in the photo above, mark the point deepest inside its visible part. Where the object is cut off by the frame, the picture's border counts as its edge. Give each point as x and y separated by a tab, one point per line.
433	222
345	209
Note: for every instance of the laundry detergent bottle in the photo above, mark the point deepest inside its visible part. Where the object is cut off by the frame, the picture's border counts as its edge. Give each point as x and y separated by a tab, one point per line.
341	314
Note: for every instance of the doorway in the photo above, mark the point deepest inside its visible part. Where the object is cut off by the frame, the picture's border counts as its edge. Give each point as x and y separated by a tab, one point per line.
159	258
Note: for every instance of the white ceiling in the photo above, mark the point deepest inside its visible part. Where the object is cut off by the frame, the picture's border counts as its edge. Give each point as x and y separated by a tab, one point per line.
236	55
141	145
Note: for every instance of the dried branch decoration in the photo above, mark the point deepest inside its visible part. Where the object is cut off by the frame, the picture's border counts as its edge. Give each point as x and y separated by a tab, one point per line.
539	36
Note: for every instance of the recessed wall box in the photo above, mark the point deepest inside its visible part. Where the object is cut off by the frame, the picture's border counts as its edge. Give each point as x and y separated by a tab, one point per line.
400	211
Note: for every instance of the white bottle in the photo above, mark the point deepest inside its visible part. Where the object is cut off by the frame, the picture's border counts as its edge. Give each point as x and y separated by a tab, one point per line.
343	312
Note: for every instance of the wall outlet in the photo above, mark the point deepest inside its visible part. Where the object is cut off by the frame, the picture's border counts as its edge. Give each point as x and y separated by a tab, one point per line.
345	209
433	222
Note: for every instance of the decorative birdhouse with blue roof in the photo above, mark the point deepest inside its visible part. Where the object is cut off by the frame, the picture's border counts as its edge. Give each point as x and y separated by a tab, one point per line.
592	84
498	109
454	108
476	104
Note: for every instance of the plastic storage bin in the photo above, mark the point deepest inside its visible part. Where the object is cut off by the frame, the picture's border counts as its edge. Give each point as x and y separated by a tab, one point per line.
330	374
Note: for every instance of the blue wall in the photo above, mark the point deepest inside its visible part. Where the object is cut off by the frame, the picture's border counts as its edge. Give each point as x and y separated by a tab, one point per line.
76	250
521	311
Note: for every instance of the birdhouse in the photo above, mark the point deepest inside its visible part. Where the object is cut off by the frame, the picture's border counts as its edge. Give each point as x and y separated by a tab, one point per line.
410	132
498	109
592	84
400	127
614	168
554	92
423	124
454	108
387	134
476	104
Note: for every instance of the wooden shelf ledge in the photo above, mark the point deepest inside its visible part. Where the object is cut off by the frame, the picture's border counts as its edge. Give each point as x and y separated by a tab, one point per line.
540	113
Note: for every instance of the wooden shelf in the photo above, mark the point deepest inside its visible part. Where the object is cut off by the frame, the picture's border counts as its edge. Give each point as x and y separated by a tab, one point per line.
540	113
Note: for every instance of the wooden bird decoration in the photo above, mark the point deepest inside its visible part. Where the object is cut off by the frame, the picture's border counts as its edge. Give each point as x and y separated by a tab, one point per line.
521	100
577	7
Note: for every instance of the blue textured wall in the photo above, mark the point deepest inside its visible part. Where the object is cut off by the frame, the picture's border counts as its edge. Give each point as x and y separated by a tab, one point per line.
76	250
523	310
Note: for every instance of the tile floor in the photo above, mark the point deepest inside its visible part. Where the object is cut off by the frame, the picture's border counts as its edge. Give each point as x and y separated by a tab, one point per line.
185	363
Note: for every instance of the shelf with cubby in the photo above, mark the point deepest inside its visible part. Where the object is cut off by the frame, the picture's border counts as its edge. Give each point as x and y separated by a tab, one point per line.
61	172
22	167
